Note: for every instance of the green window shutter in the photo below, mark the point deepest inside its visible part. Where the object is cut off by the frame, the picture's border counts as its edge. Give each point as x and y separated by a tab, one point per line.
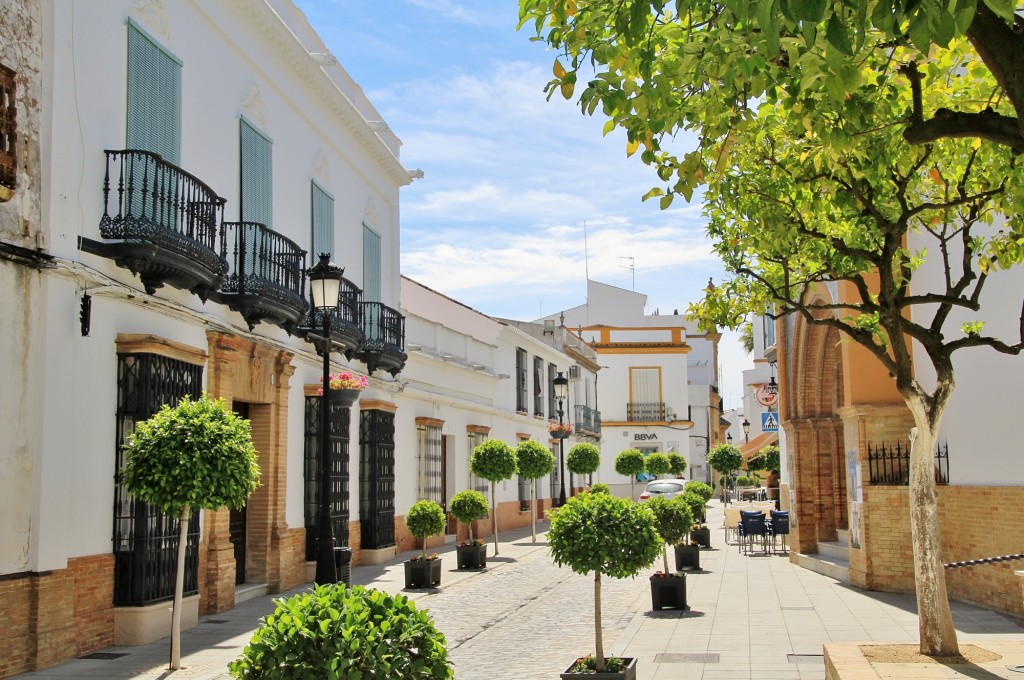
154	97
323	224
371	265
257	177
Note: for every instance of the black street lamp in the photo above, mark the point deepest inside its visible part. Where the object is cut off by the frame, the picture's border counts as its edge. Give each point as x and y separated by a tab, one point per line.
728	437
561	385
324	287
746	430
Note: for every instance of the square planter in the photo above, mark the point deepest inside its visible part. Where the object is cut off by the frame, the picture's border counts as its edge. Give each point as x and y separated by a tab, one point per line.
627	673
422	573
702	536
472	556
668	592
687	557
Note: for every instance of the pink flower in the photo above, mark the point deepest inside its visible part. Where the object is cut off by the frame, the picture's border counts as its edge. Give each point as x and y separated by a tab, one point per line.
345	381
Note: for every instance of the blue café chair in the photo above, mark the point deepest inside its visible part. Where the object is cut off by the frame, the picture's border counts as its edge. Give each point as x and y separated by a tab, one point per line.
753	525
780	527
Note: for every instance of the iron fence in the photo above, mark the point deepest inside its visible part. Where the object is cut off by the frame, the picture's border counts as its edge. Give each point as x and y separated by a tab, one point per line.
890	463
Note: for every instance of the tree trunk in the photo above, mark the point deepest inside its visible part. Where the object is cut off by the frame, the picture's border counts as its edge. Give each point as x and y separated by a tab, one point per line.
664	556
179	588
597	622
533	510
935	620
632	491
494	514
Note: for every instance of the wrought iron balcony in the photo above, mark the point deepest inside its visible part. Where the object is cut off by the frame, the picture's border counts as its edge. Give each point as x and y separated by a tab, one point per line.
160	222
346	322
588	420
645	412
266	280
384	346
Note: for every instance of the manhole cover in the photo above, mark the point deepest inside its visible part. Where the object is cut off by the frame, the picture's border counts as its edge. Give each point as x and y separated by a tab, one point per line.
686	658
104	656
806	658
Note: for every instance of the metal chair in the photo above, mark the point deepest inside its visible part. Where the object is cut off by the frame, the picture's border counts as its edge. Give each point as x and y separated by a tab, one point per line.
753	525
780	527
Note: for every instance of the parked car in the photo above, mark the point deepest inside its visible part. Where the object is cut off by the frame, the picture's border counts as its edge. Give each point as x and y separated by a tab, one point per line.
663	487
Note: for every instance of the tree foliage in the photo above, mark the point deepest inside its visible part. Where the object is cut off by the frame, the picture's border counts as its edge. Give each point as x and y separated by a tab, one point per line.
700	488
493	460
676	463
629	462
332	631
467	506
533	459
725	458
425	519
765	459
198	454
583	459
672	517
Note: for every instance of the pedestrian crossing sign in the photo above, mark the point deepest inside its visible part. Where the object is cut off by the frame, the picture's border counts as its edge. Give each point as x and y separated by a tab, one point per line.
770	421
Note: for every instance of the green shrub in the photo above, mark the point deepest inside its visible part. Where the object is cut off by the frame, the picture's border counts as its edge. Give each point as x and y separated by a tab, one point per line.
673	519
696	503
425	519
467	506
335	632
657	464
743	480
583	459
600	487
701	489
676	463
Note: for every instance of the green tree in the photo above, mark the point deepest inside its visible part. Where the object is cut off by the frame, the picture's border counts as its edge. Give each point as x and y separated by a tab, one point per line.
630	462
468	506
747	336
534	460
676	463
673	519
495	461
657	464
725	458
425	519
603	534
700	488
765	459
583	459
197	454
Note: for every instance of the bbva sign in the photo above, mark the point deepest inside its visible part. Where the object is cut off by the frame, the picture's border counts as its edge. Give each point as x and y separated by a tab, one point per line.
644	436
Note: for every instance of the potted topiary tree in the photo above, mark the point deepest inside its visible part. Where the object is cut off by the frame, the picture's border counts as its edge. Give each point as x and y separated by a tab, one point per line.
198	454
495	461
533	460
657	464
424	519
672	519
339	632
676	463
700	534
469	506
630	462
601	534
583	459
725	458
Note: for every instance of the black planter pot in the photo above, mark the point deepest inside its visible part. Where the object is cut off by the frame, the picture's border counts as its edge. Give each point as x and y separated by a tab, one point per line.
472	556
702	536
627	673
422	573
668	592
687	557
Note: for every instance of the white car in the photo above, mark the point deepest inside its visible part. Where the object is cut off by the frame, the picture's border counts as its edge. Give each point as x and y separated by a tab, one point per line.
663	487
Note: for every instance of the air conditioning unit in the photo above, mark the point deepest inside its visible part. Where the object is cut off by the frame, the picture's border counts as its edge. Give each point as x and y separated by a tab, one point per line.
574	373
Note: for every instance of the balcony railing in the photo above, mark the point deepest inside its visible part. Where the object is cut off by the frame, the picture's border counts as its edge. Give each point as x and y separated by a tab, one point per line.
346	321
588	419
384	346
267	276
890	463
166	221
642	412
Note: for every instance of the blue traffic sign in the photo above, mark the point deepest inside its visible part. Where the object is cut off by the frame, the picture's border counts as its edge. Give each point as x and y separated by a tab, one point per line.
770	421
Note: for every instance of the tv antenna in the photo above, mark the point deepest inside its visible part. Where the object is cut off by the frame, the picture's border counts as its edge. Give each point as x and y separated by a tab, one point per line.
631	267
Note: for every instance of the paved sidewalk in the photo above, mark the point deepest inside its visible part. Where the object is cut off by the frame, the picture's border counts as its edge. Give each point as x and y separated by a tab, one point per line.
751	617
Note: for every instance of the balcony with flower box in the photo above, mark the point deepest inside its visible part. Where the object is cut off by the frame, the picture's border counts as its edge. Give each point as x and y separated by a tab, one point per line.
161	223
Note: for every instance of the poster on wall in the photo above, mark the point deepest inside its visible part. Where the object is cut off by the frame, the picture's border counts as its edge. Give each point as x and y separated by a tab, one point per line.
853	484
855	525
792	507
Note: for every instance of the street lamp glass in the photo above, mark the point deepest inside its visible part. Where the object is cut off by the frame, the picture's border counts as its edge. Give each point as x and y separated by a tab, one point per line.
728	438
561	384
325	282
746	426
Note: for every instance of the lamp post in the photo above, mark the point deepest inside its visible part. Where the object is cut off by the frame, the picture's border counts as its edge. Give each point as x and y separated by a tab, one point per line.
728	437
324	287
746	430
561	385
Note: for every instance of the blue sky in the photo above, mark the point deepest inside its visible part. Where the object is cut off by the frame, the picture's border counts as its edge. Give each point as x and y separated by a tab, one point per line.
522	197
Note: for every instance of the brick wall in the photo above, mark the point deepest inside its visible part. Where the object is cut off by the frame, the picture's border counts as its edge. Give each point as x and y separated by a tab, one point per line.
54	616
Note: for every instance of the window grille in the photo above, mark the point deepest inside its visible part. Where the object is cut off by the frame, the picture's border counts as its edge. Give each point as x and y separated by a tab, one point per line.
339	463
322	219
145	539
8	129
521	380
538	387
477	483
377	478
430	464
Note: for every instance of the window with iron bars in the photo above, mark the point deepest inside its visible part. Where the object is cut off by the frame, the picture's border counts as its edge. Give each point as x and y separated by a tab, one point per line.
146	539
338	447
477	483
554	472
523	486
429	454
552	408
538	387
521	380
8	129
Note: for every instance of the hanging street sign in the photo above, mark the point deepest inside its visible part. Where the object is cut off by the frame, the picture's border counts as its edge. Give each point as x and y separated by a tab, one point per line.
767	395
